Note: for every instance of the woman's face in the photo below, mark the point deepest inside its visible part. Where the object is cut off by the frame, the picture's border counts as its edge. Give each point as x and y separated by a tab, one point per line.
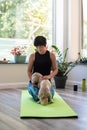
41	49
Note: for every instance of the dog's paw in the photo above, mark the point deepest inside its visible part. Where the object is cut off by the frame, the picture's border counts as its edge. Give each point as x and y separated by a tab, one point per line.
51	101
38	102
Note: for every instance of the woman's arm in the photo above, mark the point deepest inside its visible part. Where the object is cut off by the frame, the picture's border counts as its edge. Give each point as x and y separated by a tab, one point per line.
30	65
54	65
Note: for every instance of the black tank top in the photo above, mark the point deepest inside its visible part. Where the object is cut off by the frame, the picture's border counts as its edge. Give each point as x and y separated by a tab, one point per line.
42	63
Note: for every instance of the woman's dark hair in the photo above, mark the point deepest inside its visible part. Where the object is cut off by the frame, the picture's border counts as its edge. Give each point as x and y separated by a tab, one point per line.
40	41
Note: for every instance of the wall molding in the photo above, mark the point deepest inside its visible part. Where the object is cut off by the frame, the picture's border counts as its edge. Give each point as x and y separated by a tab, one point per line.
13	85
72	82
24	84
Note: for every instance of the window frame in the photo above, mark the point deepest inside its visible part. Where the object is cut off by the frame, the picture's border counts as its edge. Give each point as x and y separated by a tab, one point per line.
53	26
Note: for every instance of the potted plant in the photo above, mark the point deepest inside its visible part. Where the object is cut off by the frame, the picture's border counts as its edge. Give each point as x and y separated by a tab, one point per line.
19	53
64	67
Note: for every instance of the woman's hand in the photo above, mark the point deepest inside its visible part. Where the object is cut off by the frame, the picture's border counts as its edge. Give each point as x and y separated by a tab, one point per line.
46	77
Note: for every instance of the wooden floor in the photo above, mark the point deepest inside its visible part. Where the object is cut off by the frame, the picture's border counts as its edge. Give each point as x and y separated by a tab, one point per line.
10	111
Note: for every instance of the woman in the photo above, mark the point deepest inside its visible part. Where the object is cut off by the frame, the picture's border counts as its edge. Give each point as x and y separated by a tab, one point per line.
41	61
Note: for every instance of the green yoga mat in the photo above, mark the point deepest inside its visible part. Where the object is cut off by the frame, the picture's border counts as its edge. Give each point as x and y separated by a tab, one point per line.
58	109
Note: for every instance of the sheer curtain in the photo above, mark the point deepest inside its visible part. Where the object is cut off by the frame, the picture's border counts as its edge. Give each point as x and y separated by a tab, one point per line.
75	28
81	23
84	28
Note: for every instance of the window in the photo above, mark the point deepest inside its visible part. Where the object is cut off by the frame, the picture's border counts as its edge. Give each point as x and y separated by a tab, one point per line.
21	21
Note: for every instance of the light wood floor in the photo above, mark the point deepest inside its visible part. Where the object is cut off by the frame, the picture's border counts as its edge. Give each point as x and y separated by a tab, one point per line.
10	111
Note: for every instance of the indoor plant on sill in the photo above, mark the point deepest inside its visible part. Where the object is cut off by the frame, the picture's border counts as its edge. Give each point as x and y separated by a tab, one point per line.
64	67
19	54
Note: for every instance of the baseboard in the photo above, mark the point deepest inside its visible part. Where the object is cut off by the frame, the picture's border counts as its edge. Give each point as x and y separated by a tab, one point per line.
71	83
24	84
13	85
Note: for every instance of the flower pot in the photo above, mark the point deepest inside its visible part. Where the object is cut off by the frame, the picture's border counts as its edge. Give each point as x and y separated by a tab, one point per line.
19	59
60	81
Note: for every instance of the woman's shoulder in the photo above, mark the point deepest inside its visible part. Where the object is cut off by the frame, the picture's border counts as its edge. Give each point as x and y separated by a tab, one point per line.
32	56
52	54
52	57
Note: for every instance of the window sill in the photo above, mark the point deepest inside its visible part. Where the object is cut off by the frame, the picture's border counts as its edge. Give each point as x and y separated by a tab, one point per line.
82	63
12	63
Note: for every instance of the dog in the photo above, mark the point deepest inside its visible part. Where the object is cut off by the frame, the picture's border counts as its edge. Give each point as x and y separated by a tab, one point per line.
44	86
36	79
44	94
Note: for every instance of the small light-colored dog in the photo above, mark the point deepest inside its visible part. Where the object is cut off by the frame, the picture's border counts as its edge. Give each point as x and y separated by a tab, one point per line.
44	94
44	86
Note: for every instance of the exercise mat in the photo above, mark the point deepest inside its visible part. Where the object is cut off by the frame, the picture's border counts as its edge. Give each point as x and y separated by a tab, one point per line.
58	109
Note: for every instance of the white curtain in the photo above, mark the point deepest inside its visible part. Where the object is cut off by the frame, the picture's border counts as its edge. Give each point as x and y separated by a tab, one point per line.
75	28
81	23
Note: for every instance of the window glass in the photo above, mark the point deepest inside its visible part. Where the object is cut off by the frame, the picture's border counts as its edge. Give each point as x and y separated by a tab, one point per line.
20	22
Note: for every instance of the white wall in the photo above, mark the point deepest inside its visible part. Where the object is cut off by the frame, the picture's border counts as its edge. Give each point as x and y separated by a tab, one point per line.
15	75
76	75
